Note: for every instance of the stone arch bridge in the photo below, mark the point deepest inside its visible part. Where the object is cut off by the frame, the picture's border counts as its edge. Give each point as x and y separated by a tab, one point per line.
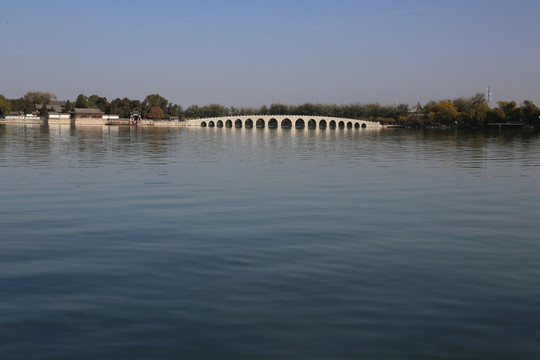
283	122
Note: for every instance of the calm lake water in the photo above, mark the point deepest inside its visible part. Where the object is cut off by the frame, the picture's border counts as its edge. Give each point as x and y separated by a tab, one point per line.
124	243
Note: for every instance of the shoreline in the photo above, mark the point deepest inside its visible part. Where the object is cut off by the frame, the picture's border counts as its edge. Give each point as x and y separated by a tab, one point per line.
104	122
178	123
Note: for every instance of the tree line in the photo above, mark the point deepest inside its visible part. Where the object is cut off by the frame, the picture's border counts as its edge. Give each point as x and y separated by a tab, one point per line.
462	111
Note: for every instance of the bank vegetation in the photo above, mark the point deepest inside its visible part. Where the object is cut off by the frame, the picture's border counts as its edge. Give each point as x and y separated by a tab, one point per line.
463	111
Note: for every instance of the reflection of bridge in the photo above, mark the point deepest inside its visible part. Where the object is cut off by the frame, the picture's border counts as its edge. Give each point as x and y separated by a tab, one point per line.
284	122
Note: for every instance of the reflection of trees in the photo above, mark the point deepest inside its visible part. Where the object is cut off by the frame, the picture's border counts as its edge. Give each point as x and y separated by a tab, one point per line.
467	148
99	143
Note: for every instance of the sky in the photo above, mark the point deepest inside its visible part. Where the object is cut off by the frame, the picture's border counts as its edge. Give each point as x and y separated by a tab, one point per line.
259	52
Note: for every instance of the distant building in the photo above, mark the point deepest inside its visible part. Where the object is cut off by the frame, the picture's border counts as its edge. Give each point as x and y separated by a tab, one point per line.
135	116
20	115
58	118
86	113
52	107
417	111
111	117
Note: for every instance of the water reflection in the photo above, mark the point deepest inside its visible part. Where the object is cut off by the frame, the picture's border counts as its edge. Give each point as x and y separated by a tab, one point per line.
94	145
423	239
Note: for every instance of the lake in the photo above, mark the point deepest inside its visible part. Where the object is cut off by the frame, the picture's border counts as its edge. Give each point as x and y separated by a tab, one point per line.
127	243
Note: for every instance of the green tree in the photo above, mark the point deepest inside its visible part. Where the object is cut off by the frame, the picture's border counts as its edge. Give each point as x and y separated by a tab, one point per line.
305	109
478	114
81	102
68	107
530	112
509	108
154	100
463	105
135	105
496	115
5	106
174	110
479	98
246	110
22	104
99	102
38	97
122	107
192	112
279	109
263	110
212	110
374	109
43	112
401	110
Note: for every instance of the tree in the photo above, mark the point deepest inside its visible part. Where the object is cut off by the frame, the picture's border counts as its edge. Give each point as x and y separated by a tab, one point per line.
496	115
22	104
401	110
213	110
192	112
305	109
68	107
38	97
5	106
479	98
81	102
279	109
156	100
443	112
174	110
43	111
135	105
463	105
509	109
156	113
529	112
479	113
121	107
99	102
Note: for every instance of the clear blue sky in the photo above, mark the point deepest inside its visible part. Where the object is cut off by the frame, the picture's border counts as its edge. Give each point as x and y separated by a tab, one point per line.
255	52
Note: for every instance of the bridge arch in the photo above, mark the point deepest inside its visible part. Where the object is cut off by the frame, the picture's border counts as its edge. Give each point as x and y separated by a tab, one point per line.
286	123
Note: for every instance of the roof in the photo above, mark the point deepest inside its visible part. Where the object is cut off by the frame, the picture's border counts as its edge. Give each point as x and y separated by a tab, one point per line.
51	107
417	109
87	111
